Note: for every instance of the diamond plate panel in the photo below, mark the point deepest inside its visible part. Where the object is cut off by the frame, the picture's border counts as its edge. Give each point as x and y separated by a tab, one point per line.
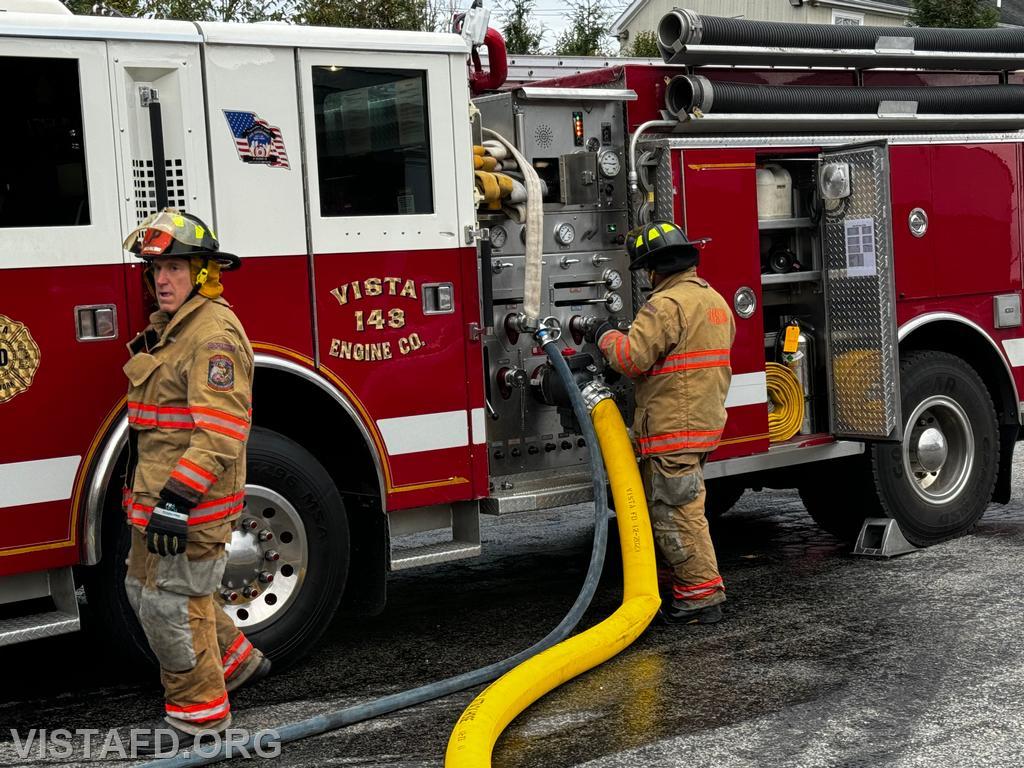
664	191
860	299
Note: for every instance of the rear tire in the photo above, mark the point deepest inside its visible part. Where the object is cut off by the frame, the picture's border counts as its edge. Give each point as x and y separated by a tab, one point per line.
839	495
722	496
938	480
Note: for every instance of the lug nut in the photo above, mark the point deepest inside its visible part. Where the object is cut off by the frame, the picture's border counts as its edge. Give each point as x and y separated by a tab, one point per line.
228	595
266	577
250	524
266	535
251	592
272	555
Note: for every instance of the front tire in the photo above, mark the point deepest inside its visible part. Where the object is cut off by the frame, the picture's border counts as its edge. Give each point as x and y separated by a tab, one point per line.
938	480
289	494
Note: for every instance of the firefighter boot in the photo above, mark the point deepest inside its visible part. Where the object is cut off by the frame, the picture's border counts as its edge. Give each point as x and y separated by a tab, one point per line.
249	674
679	613
166	737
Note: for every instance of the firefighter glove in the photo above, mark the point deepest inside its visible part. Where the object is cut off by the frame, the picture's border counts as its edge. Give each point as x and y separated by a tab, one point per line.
167	530
605	326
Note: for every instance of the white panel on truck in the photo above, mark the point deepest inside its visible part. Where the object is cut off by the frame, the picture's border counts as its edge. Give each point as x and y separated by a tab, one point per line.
256	150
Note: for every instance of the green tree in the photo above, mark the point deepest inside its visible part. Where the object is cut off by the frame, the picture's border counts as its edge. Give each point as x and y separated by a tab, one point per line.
190	10
587	33
644	46
953	13
521	32
366	14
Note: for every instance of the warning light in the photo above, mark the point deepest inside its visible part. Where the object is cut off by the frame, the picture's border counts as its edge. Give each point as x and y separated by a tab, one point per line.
577	128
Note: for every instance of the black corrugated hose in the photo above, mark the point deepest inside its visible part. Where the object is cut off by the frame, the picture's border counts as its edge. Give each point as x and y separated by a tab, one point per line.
686	92
689	28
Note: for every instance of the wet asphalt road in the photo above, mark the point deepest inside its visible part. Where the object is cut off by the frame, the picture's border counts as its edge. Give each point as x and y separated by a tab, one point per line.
823	659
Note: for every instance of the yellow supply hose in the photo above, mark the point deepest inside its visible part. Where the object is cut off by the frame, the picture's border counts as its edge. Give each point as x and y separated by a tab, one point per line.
472	740
785	403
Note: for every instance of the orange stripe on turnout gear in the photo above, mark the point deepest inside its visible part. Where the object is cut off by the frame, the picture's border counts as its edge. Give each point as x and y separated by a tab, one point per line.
201	713
707	358
670	442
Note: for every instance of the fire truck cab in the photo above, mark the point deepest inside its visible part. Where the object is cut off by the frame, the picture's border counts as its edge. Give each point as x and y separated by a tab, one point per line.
872	261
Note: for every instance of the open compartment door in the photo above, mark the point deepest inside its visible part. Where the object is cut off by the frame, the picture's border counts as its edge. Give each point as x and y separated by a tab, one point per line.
860	300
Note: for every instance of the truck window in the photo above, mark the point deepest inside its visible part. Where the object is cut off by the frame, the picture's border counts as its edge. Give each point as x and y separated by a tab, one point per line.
372	141
42	176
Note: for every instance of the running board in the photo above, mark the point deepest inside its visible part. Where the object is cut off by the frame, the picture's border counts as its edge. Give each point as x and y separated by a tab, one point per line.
460	521
529	491
58	584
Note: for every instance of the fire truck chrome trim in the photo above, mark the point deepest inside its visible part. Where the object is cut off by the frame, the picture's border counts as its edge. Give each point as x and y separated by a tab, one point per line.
931	317
731	122
286	366
99	482
35	482
820	140
577	94
424	432
782	456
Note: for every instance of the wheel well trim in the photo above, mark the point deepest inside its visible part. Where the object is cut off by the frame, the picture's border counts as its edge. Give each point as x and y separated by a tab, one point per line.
928	318
99	482
287	366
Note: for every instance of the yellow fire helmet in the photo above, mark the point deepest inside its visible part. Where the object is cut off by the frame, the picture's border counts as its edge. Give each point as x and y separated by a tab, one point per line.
176	233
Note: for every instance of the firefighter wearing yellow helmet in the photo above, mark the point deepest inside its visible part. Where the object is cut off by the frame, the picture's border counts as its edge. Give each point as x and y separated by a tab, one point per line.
189	409
677	353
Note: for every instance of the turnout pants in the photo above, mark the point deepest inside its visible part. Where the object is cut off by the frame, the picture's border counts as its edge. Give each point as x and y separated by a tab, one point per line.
675	491
198	646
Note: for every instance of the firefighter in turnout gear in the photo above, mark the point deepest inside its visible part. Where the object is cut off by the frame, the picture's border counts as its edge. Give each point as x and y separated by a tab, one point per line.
677	353
189	409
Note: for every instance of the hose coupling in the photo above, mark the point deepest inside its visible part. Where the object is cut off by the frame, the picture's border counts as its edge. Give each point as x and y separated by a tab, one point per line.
594	392
548	331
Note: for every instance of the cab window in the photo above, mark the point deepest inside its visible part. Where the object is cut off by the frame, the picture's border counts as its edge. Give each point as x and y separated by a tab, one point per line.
42	175
372	141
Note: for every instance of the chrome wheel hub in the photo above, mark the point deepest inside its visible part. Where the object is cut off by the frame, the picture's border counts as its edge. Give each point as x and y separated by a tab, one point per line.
938	450
267	560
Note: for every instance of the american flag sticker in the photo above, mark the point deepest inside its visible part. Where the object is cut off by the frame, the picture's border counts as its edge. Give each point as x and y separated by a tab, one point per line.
256	140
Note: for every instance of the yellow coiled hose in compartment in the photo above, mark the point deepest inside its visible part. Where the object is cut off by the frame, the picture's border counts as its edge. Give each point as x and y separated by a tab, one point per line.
785	403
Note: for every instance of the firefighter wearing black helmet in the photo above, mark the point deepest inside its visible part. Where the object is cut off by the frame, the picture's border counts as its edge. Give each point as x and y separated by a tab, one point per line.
677	353
189	410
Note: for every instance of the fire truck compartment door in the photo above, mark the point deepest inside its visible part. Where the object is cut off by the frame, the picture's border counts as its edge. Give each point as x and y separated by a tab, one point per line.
860	301
172	74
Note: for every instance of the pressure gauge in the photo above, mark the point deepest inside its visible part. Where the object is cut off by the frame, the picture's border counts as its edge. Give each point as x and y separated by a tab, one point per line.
612	278
498	236
565	234
613	301
609	164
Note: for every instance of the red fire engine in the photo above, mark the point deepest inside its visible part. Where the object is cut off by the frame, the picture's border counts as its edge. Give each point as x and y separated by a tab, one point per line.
861	210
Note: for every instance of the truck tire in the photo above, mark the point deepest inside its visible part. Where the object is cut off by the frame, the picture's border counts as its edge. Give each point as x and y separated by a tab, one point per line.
839	495
289	494
938	480
722	495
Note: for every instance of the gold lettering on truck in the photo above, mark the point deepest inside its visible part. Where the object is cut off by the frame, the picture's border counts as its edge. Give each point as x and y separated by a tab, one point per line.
379	319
